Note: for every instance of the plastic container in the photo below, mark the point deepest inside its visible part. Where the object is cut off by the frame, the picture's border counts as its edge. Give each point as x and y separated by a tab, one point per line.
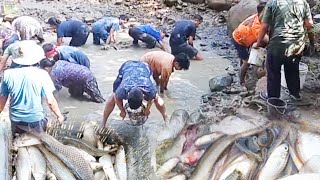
303	70
257	56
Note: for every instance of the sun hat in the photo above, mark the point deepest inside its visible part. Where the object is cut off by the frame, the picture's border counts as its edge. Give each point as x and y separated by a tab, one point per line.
27	53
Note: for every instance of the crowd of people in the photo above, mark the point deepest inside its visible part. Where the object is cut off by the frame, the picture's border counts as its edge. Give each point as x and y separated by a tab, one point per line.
36	72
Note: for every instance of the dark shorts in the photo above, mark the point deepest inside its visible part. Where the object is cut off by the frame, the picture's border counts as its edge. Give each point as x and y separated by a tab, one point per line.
80	38
99	33
243	52
183	48
9	41
137	35
39	126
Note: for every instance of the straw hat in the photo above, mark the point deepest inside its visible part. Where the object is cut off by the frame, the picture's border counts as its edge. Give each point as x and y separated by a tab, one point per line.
28	53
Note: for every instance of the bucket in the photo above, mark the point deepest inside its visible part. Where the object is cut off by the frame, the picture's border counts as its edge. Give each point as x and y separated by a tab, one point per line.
303	70
276	108
257	56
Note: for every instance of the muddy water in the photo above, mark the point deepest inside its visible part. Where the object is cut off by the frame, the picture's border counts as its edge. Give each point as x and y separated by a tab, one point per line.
185	87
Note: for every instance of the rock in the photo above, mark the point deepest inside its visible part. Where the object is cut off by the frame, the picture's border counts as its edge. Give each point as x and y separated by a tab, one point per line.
179	7
118	2
219	5
170	3
194	1
10	17
239	13
185	4
88	19
220	82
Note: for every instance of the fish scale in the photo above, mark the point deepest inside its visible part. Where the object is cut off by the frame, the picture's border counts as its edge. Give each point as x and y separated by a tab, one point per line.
71	157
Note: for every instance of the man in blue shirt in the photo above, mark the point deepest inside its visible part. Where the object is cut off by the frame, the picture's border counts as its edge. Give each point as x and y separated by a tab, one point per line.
26	85
182	36
106	29
135	83
75	29
66	53
148	35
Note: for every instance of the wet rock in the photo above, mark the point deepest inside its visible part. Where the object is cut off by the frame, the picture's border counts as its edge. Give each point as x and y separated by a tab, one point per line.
118	2
239	13
179	7
219	5
195	1
170	3
88	19
220	82
10	17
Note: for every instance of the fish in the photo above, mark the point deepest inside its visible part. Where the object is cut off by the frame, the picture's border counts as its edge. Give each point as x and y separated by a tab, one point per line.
95	166
100	175
178	177
235	175
290	167
23	169
25	139
275	163
121	164
78	143
38	163
292	139
5	152
208	139
55	165
218	167
108	167
310	176
89	134
71	157
307	145
204	168
166	168
100	145
50	175
311	166
242	165
88	157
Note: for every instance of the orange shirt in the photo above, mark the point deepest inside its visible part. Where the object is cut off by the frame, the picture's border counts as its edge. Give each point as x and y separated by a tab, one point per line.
247	32
161	63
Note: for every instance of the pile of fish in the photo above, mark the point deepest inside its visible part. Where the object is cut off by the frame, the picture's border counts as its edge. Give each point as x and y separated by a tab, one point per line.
63	157
242	147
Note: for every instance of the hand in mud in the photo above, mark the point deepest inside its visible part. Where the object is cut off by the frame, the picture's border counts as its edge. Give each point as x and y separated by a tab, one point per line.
255	46
123	114
61	119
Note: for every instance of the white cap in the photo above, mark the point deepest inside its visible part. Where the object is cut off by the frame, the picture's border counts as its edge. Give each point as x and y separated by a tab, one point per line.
29	53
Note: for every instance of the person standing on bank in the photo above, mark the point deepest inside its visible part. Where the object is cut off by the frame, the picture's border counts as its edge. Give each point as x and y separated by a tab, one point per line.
28	28
134	83
76	29
285	20
106	29
244	36
148	35
163	65
26	85
183	35
66	53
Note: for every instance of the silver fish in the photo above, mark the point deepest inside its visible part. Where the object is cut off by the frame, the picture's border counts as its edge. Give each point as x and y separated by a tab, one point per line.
276	163
311	176
71	157
108	167
204	168
55	165
23	166
84	146
208	139
89	134
166	168
307	145
100	175
311	166
179	177
120	164
88	157
38	163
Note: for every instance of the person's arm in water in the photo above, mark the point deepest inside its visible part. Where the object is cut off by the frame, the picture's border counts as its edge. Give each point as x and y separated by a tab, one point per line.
162	46
111	38
149	104
53	105
59	41
119	103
